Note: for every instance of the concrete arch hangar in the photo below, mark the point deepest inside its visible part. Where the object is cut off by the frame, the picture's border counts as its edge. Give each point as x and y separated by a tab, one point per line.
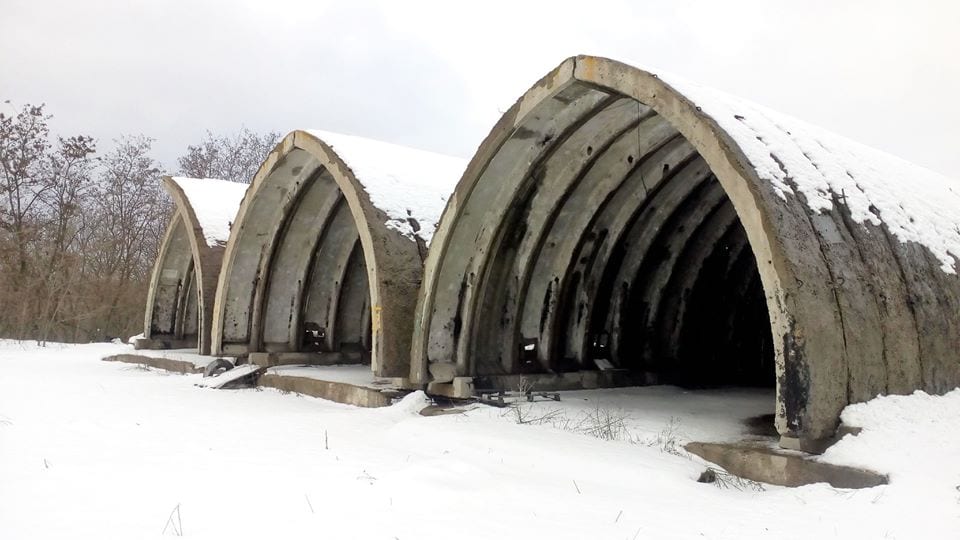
184	280
327	251
620	227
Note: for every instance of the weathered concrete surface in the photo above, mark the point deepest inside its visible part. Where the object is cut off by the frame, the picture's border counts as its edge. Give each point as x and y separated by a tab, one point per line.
782	468
272	359
158	343
608	219
311	266
334	391
183	284
167	364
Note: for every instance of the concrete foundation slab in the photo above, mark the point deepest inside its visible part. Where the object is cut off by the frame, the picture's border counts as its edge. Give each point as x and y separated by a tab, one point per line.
352	384
175	360
349	384
175	365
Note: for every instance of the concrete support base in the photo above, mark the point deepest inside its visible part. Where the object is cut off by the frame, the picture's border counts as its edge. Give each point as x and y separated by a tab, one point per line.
459	388
168	364
334	391
801	444
815	446
405	383
271	359
762	463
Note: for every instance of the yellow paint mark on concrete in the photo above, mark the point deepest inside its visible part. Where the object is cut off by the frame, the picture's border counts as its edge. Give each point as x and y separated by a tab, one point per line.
376	323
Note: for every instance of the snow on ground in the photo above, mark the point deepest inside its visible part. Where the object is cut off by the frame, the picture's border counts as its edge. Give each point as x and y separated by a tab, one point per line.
215	203
928	428
648	412
403	182
92	449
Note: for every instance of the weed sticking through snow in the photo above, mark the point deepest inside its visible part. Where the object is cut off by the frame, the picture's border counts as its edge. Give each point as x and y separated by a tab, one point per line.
611	425
174	525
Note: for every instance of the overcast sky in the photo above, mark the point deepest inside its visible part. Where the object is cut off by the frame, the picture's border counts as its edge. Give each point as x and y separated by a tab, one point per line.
437	75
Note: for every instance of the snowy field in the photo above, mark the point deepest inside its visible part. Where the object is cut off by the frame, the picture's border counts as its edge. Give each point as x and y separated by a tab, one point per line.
92	449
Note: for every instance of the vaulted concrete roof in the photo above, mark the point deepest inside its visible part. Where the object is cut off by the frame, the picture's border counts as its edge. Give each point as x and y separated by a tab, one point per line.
184	279
616	221
327	249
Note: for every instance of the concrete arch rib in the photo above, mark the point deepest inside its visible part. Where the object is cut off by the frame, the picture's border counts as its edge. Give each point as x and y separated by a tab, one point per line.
332	223
184	279
850	246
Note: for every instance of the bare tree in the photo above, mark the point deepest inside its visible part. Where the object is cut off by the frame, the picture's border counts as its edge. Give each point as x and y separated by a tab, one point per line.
68	184
129	204
234	158
23	147
42	216
79	233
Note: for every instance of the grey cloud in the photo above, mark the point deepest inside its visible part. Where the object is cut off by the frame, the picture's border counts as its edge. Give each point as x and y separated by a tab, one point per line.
436	75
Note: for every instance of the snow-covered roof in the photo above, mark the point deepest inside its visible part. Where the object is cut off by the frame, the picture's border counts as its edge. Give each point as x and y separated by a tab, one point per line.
915	203
215	203
403	182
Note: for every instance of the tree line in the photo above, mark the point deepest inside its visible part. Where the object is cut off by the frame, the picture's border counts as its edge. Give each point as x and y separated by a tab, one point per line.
80	229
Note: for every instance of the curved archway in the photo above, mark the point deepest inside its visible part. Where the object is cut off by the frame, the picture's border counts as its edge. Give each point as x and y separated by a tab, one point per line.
617	225
327	252
184	278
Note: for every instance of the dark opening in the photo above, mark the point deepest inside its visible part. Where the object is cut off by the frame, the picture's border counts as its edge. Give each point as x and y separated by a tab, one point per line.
694	314
344	315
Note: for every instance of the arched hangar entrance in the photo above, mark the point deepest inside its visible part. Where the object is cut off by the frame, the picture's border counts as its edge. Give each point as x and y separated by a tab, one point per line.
327	252
615	227
184	279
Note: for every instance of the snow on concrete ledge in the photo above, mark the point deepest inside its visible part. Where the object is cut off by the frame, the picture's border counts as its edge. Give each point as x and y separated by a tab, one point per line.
188	356
355	374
